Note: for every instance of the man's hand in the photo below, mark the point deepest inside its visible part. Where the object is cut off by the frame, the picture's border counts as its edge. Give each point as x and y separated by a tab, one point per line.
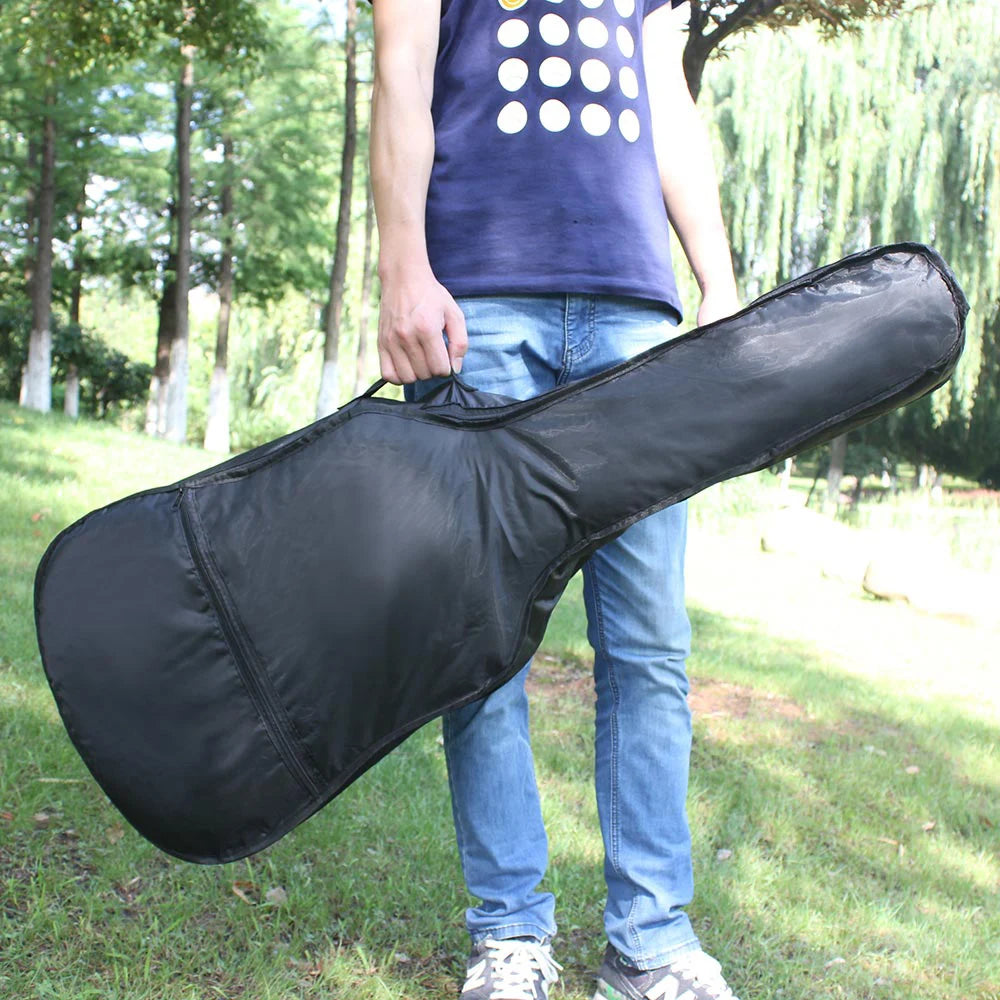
415	315
718	305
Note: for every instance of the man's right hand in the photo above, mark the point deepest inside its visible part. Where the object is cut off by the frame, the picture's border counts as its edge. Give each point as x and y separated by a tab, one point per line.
415	315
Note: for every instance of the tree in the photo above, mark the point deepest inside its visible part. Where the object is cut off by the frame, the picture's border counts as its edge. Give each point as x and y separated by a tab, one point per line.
58	43
217	425
268	145
177	376
713	22
328	388
984	422
889	134
362	375
71	402
36	393
835	471
233	31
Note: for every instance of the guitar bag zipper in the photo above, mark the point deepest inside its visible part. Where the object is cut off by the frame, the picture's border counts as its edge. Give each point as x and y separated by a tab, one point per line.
252	672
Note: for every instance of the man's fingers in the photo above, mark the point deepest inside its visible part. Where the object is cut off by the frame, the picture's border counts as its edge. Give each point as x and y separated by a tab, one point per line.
412	351
437	355
389	372
425	350
404	369
458	335
413	323
396	367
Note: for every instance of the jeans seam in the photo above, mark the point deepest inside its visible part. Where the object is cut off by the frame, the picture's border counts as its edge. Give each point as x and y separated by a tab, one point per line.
586	346
567	354
613	727
460	836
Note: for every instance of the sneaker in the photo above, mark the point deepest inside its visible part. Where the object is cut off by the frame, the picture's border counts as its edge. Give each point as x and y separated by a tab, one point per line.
515	969
693	976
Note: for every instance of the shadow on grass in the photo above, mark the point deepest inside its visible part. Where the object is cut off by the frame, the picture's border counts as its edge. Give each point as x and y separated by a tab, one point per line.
803	800
853	823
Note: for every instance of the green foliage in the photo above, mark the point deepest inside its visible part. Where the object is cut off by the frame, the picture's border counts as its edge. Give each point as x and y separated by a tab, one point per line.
830	17
983	453
110	381
15	326
889	134
285	130
61	36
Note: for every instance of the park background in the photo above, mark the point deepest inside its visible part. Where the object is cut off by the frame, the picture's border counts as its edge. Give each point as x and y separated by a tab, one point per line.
187	260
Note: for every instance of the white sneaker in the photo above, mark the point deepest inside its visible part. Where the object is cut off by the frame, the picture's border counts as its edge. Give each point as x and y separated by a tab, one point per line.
511	969
692	976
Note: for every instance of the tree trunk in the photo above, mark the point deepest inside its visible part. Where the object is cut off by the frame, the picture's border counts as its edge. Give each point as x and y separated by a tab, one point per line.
36	389
702	41
327	400
838	453
156	408
362	377
31	211
71	403
937	487
786	474
177	380
217	426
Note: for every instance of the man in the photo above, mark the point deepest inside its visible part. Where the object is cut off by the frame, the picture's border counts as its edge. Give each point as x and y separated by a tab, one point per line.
527	157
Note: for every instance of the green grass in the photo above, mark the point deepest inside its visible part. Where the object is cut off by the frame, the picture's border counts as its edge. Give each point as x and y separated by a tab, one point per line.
803	768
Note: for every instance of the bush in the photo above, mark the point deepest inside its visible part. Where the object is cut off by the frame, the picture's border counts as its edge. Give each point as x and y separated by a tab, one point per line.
109	379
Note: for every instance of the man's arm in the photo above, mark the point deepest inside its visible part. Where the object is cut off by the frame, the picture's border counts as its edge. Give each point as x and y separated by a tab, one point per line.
415	308
684	158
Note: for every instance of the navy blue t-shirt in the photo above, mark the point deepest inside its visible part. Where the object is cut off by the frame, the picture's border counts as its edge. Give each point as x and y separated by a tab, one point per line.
544	175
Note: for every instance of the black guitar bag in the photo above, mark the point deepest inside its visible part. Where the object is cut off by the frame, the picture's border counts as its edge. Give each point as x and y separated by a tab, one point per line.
231	651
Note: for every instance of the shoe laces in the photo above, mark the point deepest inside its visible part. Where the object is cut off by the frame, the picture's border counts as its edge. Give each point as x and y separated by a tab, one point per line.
516	966
705	972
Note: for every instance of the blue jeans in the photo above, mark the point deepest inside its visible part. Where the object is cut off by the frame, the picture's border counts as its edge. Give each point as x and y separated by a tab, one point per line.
519	346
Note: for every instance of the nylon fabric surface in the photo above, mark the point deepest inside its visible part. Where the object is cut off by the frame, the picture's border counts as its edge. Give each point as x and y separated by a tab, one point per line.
231	651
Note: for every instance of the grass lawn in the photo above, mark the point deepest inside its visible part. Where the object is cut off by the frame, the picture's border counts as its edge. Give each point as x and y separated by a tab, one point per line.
845	797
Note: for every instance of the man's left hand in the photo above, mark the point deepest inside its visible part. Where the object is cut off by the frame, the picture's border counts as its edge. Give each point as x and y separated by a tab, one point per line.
718	305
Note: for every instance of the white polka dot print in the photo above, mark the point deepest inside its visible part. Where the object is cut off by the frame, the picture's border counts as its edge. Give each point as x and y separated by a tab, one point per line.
628	82
628	124
595	119
554	115
593	22
512	33
555	71
513	74
625	42
512	118
553	29
595	75
593	33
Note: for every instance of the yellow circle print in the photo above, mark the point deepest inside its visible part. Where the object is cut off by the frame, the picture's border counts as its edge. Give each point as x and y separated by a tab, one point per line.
512	4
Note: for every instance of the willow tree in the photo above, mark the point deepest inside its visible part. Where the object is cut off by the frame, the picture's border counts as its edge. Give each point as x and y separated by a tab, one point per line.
714	23
890	134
